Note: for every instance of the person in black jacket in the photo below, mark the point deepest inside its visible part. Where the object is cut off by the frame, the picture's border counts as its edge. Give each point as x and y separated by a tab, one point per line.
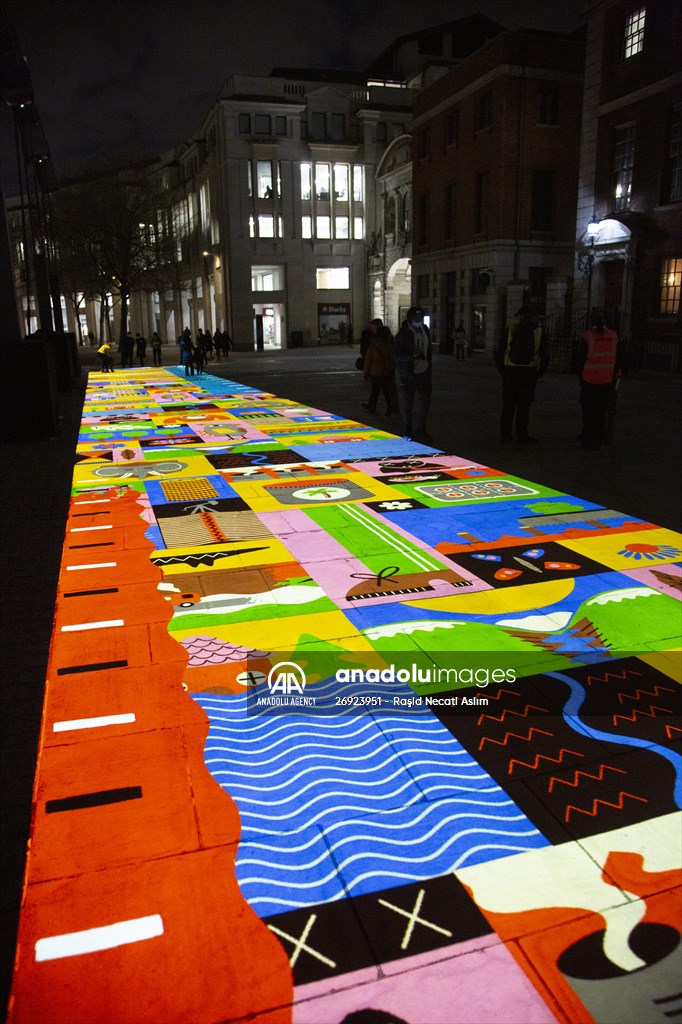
413	361
521	357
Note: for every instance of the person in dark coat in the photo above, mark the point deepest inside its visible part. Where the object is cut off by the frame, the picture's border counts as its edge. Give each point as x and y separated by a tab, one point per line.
522	357
413	360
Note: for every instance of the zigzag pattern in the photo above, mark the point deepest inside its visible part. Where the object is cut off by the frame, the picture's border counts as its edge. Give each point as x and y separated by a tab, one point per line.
610	676
597	803
516	736
510	711
541	757
577	775
638	694
638	712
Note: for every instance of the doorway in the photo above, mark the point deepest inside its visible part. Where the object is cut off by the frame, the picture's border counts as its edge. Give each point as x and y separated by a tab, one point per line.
268	326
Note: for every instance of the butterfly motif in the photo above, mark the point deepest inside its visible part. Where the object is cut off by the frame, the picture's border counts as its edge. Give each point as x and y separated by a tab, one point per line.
536	554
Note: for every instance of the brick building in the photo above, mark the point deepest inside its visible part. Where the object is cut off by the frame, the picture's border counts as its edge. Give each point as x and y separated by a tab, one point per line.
495	171
629	223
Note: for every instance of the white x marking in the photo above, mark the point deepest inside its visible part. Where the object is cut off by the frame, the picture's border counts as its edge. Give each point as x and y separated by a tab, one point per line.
300	944
413	917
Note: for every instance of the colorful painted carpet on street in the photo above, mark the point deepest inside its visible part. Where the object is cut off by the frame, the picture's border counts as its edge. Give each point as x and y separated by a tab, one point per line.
340	728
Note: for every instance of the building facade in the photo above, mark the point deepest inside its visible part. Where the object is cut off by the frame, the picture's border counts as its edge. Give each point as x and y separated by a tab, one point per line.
495	170
629	214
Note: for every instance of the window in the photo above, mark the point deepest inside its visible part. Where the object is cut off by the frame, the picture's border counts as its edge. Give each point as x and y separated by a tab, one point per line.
634	33
341	182
484	111
671	285
264	175
424	143
318	127
262	124
423	223
306	181
323	227
675	164
358	190
548	106
453	128
262	279
482	188
266	225
306	227
280	125
623	162
450	211
249	176
341	227
322	182
542	201
245	124
333	277
337	127
358	227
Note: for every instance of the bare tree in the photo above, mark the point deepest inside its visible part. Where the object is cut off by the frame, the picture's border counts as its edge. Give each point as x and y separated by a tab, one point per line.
112	236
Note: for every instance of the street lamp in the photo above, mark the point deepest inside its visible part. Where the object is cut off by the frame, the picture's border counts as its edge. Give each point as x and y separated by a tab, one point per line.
587	257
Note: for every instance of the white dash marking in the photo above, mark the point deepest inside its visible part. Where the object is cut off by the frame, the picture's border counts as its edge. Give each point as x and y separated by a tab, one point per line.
89	529
104	624
94	501
92	940
92	565
93	723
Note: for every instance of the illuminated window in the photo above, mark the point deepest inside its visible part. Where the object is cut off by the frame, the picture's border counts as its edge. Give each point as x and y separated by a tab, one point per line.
358	190
671	286
322	182
267	278
333	277
623	164
358	227
306	227
341	227
266	225
634	32
341	182
264	174
306	181
323	227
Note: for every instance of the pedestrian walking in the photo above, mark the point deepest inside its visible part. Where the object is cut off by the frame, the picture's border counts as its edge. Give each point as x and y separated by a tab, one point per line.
598	365
521	357
156	344
187	352
127	350
379	369
140	348
460	341
414	359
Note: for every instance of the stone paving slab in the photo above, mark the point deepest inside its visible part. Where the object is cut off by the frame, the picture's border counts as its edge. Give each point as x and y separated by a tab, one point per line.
485	827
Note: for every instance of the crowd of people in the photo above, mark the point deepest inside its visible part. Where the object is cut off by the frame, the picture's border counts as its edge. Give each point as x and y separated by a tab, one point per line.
194	352
399	369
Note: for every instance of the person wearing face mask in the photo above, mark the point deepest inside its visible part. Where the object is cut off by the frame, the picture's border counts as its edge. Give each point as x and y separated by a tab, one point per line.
413	360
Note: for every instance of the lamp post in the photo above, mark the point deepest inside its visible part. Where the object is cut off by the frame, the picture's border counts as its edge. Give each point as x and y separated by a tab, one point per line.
586	260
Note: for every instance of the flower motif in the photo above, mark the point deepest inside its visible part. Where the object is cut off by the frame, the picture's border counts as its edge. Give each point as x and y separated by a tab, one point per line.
395	506
649	552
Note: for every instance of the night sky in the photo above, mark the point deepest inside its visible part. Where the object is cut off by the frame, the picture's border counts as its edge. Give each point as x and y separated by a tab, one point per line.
132	78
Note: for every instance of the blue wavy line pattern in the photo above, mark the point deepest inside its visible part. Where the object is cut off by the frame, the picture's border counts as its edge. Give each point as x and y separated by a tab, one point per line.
356	803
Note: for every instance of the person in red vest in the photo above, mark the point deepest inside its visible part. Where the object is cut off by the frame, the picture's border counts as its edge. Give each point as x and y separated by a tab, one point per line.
597	364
